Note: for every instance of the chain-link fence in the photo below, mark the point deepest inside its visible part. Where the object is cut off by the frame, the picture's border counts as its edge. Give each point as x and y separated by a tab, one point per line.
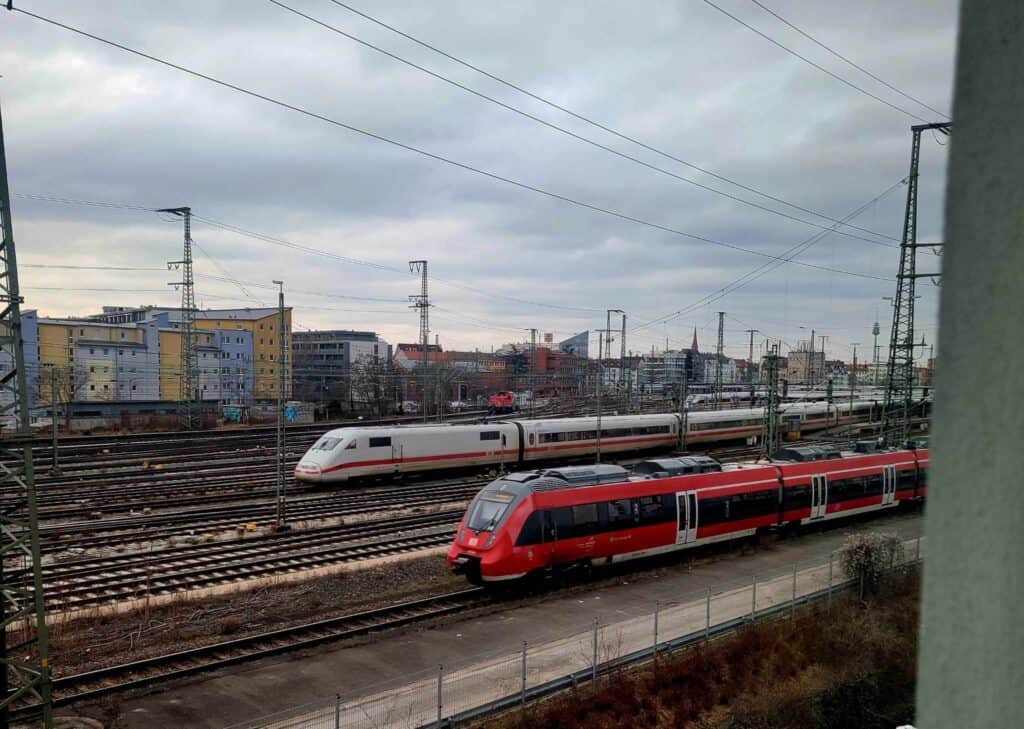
482	683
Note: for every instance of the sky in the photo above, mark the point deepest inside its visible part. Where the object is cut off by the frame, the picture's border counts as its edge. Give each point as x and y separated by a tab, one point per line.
540	222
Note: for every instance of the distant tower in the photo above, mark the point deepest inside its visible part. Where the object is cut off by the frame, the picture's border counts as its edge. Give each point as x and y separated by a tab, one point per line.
693	345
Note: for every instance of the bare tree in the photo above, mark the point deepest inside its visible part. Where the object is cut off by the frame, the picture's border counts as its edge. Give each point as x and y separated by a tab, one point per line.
71	383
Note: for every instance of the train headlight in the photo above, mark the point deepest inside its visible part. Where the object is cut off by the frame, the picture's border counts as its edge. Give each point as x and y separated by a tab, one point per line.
490	540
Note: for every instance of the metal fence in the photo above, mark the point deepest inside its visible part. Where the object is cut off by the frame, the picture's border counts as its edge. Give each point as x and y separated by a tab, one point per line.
483	683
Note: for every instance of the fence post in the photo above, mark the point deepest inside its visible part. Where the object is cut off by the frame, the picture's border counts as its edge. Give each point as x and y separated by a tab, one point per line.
440	696
657	609
830	555
792	604
522	688
593	669
707	617
337	711
753	599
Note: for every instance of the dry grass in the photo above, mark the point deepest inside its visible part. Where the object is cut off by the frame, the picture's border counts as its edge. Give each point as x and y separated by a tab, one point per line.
102	640
854	668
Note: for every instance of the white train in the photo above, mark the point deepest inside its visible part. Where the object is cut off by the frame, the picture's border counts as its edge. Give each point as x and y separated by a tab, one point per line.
353	452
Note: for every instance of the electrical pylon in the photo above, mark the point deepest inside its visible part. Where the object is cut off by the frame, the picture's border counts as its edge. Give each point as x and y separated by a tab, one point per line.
898	407
24	645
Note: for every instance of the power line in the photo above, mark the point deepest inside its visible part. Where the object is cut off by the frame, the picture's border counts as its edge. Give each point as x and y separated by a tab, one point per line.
808	61
592	122
841	57
544	122
763	269
431	155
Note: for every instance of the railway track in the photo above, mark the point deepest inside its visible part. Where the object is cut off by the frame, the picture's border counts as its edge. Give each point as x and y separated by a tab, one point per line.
138	674
103	581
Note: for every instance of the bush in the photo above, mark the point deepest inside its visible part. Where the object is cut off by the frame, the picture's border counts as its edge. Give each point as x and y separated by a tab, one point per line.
867	557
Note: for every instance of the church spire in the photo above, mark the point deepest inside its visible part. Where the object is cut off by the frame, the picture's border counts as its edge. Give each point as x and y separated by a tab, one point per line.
693	347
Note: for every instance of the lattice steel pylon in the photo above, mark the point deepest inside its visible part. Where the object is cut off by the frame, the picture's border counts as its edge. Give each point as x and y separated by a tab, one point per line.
771	440
898	406
24	646
421	302
189	382
719	354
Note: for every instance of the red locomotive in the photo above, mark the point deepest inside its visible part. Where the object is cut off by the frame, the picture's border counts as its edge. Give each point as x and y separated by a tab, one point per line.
501	402
540	522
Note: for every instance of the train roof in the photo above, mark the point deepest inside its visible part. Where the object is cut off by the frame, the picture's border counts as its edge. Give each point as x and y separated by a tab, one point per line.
609	421
556	479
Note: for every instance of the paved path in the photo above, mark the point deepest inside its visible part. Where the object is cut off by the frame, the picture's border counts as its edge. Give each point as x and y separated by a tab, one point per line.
393	680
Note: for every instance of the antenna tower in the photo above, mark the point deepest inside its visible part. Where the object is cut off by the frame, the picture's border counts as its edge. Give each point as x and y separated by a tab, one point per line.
22	605
900	375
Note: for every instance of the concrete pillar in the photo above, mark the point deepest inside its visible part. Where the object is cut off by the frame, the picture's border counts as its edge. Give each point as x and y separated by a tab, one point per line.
971	672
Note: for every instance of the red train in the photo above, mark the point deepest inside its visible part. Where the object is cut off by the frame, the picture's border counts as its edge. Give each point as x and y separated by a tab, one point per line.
501	402
539	522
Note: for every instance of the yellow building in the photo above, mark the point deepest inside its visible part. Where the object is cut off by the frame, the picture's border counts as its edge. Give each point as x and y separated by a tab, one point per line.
267	339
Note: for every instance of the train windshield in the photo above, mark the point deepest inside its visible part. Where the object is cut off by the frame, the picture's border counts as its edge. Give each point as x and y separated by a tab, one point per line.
327	444
485	514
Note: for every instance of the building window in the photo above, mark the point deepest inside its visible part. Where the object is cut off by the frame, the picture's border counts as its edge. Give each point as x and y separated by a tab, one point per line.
261	326
271	342
271	327
271	357
261	340
92	351
134	388
105	351
261	355
92	387
91	368
81	332
122	335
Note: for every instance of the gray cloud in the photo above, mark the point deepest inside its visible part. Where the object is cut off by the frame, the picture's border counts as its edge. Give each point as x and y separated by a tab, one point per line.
85	121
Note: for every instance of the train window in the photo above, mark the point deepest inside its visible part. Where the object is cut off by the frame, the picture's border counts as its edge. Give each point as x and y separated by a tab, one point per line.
351	445
490	435
381	442
620	514
714	511
651	509
585	521
326	444
531	532
874	485
558	524
485	515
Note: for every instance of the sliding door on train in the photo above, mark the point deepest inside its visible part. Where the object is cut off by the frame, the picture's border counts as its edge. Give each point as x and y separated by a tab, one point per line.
686	517
819	496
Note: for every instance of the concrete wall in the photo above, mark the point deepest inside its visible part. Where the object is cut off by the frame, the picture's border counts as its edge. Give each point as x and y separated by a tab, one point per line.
971	667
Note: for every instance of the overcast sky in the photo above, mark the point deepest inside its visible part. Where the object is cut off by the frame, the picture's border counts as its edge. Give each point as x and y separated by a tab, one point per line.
84	121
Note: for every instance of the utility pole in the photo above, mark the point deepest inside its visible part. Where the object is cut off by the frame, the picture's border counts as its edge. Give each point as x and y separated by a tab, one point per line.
853	376
24	635
770	442
718	360
600	386
622	353
533	367
282	518
189	379
750	364
899	388
875	331
421	302
54	401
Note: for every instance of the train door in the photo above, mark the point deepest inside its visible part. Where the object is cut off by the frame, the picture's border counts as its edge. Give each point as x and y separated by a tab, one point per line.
819	496
888	485
686	517
396	454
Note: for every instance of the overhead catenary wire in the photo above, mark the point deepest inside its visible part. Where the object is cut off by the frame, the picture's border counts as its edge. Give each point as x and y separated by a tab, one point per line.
431	155
809	62
563	130
592	121
763	269
843	58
